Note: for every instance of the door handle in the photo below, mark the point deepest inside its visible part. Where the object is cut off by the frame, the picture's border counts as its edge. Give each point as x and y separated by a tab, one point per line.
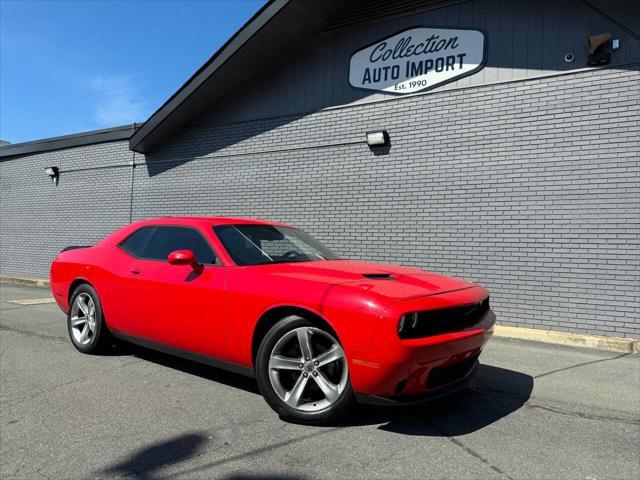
135	272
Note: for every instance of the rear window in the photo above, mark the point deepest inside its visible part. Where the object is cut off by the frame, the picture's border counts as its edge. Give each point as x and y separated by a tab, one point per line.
156	243
134	244
165	240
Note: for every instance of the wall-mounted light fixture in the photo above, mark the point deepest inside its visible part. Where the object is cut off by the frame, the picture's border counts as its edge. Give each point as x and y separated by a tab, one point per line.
375	139
53	174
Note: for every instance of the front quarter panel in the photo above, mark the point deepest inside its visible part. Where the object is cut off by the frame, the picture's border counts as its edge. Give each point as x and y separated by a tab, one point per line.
355	312
251	293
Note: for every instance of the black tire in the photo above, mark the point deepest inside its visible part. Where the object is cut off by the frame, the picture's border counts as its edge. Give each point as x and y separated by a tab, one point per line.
99	338
334	411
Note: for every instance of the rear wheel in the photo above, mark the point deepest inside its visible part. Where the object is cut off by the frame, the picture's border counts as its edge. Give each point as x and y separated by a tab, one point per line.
85	321
302	372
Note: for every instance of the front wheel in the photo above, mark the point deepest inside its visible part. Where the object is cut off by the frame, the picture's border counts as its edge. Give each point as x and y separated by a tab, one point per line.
302	372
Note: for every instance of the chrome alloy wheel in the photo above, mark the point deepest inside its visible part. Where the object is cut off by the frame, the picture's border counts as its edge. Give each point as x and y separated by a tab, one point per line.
304	354
83	319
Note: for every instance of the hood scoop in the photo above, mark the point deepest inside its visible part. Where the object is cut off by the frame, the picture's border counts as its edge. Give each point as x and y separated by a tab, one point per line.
379	276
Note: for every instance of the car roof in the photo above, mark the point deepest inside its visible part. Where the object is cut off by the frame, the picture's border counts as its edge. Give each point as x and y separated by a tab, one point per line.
188	220
203	222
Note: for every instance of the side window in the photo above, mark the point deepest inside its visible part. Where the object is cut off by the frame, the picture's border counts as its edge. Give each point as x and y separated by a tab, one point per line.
165	240
134	243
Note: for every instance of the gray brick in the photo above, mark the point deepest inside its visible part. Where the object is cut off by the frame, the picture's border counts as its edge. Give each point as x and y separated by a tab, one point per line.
531	188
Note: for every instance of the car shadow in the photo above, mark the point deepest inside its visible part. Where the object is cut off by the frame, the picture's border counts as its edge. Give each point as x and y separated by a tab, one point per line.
495	393
187	366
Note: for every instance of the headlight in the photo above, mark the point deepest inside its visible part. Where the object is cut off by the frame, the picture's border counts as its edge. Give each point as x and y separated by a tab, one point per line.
407	321
443	320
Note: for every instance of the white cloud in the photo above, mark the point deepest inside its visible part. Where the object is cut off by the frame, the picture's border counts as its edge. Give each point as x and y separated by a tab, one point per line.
118	102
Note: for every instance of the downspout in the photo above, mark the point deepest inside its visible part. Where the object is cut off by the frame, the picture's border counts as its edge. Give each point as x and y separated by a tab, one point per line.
133	173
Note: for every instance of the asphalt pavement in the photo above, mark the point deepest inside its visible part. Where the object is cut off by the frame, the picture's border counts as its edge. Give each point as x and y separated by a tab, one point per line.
537	411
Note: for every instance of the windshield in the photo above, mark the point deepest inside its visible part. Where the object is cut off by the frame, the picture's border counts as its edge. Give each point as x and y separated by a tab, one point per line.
256	244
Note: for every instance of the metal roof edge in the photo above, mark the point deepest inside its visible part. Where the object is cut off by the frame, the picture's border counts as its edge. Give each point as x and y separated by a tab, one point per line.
67	141
255	23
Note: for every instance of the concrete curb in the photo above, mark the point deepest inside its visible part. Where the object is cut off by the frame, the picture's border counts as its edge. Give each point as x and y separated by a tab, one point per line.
611	344
34	282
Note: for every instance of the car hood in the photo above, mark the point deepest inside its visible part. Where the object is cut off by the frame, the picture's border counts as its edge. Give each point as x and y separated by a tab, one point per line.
392	281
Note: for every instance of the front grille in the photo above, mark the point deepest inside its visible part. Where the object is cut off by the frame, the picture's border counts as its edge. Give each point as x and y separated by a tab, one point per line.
441	376
446	320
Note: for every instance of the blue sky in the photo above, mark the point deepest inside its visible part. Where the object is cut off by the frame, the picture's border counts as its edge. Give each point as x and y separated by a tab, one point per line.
72	66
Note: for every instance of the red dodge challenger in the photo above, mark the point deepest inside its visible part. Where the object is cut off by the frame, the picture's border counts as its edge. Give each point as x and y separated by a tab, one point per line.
267	300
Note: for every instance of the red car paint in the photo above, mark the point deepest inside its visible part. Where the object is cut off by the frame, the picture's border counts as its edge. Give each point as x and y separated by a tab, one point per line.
213	312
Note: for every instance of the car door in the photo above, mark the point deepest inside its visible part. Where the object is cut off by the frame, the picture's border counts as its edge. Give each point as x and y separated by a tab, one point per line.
123	306
176	305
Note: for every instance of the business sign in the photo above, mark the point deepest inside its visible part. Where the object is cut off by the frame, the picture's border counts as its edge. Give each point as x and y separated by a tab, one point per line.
418	59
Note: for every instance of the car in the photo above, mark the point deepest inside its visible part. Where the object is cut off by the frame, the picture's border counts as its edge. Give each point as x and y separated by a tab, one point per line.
318	333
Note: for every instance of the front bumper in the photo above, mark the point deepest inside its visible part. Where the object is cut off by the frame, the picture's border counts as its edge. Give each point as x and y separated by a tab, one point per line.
428	396
399	370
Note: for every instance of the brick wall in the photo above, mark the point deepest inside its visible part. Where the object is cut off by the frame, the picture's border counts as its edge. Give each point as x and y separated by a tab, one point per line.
531	188
38	219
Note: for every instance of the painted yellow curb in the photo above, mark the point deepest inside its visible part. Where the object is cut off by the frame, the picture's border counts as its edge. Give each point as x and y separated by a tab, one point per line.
611	344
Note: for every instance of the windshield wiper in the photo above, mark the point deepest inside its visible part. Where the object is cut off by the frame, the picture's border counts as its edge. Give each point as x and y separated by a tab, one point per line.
266	262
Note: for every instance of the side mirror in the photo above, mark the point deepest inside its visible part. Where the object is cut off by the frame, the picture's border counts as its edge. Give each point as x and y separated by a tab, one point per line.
184	257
